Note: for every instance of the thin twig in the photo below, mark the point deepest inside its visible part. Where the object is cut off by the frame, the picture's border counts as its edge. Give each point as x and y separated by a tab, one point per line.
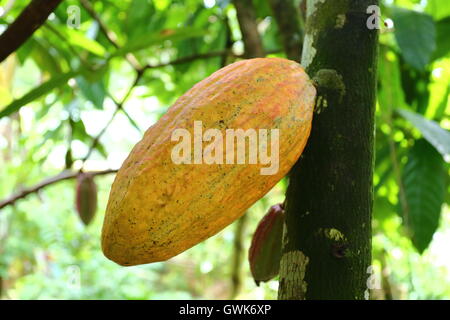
202	56
109	34
65	175
191	58
119	107
394	157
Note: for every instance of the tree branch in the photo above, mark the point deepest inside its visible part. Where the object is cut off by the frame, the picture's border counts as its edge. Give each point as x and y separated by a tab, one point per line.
289	23
65	175
94	143
191	58
110	35
228	42
249	28
31	18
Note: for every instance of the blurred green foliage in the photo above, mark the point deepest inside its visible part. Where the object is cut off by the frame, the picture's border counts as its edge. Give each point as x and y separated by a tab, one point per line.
60	90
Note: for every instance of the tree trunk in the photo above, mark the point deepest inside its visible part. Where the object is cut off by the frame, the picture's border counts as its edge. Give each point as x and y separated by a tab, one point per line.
327	237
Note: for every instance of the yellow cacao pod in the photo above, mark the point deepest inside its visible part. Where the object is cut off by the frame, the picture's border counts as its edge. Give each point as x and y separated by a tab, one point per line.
159	207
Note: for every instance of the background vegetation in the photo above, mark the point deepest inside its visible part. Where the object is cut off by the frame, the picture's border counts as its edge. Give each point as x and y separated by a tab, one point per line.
80	93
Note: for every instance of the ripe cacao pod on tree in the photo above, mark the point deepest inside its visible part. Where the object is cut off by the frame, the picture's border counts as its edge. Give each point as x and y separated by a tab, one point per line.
86	197
159	207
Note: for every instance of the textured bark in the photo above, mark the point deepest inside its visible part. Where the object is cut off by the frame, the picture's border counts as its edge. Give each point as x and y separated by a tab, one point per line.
329	198
31	18
287	15
249	28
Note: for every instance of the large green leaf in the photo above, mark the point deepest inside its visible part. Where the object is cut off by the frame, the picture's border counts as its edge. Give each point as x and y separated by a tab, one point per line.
442	38
416	36
431	130
79	39
424	183
94	92
415	85
38	92
45	58
148	40
140	14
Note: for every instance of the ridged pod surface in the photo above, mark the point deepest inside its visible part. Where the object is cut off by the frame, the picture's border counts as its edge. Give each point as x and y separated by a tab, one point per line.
158	209
264	253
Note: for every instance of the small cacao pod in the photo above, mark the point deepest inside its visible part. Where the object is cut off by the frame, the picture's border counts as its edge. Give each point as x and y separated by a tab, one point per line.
265	250
86	197
159	207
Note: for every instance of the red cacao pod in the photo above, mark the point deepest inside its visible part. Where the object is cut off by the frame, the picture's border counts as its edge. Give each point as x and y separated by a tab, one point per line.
265	249
86	197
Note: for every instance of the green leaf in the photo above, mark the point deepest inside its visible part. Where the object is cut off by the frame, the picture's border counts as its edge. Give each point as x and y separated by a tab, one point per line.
94	92
383	209
44	59
384	176
101	149
79	131
78	39
415	85
438	8
53	133
424	183
24	50
146	41
38	92
390	91
431	131
440	110
140	14
442	38
416	36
